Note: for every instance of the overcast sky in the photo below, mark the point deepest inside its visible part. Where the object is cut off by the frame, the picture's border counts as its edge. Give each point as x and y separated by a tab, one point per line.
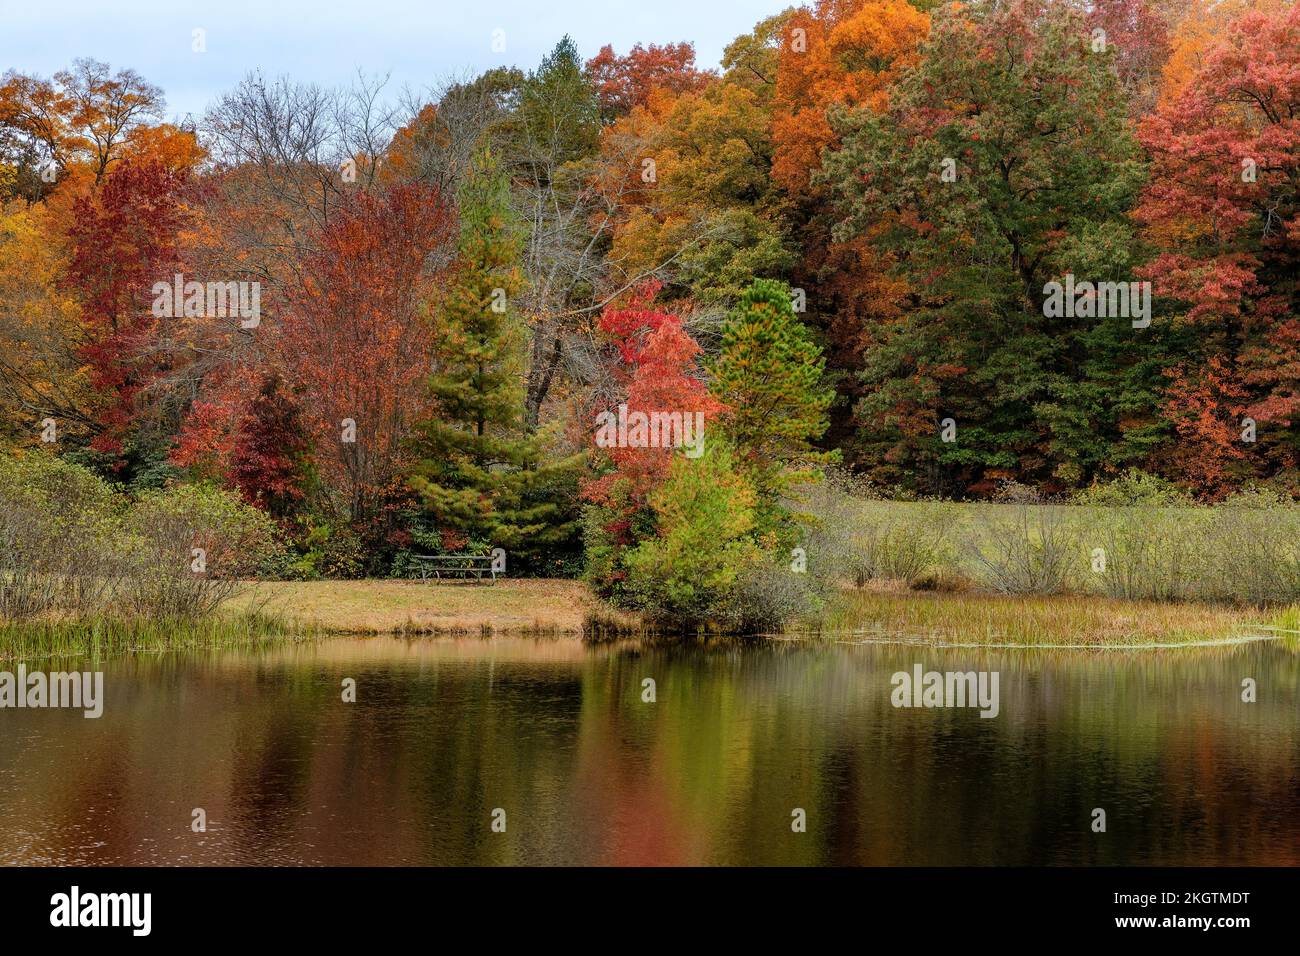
326	42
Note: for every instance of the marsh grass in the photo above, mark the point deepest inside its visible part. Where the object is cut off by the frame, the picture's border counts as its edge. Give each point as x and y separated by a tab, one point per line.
604	627
99	636
1134	539
1060	620
269	612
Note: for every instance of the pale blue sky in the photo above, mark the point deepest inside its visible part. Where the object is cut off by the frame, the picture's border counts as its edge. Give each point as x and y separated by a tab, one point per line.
325	42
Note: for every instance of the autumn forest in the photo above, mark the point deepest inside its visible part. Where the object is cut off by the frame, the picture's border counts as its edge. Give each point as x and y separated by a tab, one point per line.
937	250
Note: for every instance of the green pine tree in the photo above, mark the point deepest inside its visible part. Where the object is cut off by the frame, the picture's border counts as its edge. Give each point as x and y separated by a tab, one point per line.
771	374
481	472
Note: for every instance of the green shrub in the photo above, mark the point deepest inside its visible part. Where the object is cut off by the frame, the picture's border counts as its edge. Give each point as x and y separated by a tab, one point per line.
833	517
1134	489
768	595
333	551
1150	536
1022	545
1252	549
609	530
191	546
903	541
687	575
58	528
1146	552
853	535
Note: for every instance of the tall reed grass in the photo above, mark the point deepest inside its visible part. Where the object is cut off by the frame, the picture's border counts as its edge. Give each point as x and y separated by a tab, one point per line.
1034	620
96	636
1125	541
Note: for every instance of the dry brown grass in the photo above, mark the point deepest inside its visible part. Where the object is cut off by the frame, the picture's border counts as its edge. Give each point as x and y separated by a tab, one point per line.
1029	620
524	605
884	609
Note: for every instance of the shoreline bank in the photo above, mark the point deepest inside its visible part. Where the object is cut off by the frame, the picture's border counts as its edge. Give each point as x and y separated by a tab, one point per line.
270	611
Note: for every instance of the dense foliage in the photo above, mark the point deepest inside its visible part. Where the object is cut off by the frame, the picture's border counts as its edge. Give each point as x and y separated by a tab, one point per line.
612	315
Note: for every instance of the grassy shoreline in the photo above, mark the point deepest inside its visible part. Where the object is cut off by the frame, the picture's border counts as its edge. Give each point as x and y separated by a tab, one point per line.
554	607
270	611
98	636
265	612
394	606
1035	620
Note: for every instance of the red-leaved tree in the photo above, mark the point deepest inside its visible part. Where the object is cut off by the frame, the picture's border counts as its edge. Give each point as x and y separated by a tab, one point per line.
124	237
1223	205
656	369
349	353
624	82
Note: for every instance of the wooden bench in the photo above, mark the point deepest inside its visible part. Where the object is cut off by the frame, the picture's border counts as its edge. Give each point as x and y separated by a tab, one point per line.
456	566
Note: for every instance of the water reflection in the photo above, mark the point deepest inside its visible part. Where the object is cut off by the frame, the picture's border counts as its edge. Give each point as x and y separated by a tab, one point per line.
557	735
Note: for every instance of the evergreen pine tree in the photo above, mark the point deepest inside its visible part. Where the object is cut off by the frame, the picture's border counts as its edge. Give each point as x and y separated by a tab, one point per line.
480	473
770	374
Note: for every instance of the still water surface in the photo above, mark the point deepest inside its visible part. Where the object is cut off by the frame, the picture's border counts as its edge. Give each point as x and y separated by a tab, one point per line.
557	735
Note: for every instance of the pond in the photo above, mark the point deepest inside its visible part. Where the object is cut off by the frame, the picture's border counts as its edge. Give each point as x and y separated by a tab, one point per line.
521	751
